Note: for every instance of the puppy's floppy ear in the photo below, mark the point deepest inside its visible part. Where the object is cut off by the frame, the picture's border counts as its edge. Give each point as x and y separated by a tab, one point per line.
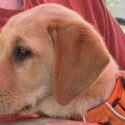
80	57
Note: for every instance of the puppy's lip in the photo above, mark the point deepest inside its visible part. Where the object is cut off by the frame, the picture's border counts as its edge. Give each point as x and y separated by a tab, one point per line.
28	111
14	117
22	114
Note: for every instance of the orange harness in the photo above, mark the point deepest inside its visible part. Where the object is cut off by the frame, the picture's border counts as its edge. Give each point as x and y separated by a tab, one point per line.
112	112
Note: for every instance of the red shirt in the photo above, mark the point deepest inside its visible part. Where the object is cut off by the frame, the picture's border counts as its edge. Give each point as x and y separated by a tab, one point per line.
95	12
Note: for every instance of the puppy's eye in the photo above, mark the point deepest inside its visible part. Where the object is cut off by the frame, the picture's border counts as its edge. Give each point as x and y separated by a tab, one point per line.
20	53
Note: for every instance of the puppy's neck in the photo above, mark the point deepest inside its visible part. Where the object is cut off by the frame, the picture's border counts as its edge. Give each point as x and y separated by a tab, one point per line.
107	79
100	91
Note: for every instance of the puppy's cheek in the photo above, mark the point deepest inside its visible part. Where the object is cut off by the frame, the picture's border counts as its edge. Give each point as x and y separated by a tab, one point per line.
11	103
32	75
32	99
34	80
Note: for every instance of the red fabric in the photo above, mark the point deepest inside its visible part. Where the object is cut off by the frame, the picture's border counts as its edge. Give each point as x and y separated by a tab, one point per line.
94	12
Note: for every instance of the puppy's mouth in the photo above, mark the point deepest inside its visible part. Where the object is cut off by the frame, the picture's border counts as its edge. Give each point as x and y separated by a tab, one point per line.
14	117
19	116
23	114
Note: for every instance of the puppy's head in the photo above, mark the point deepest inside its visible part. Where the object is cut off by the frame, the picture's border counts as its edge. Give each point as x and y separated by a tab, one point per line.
47	51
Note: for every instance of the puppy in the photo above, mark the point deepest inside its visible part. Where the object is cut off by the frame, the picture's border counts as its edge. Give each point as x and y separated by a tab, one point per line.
52	61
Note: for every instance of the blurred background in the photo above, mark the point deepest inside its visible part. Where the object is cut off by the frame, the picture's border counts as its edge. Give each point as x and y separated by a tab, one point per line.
117	8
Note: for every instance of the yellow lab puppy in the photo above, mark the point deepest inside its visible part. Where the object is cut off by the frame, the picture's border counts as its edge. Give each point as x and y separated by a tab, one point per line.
52	61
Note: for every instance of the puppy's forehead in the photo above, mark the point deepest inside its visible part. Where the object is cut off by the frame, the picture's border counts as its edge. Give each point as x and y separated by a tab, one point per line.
43	14
37	18
33	23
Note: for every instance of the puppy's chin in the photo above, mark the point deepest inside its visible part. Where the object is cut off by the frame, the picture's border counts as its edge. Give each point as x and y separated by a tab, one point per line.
76	117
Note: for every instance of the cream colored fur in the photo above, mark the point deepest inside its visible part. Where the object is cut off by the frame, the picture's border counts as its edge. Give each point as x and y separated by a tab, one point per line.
27	87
